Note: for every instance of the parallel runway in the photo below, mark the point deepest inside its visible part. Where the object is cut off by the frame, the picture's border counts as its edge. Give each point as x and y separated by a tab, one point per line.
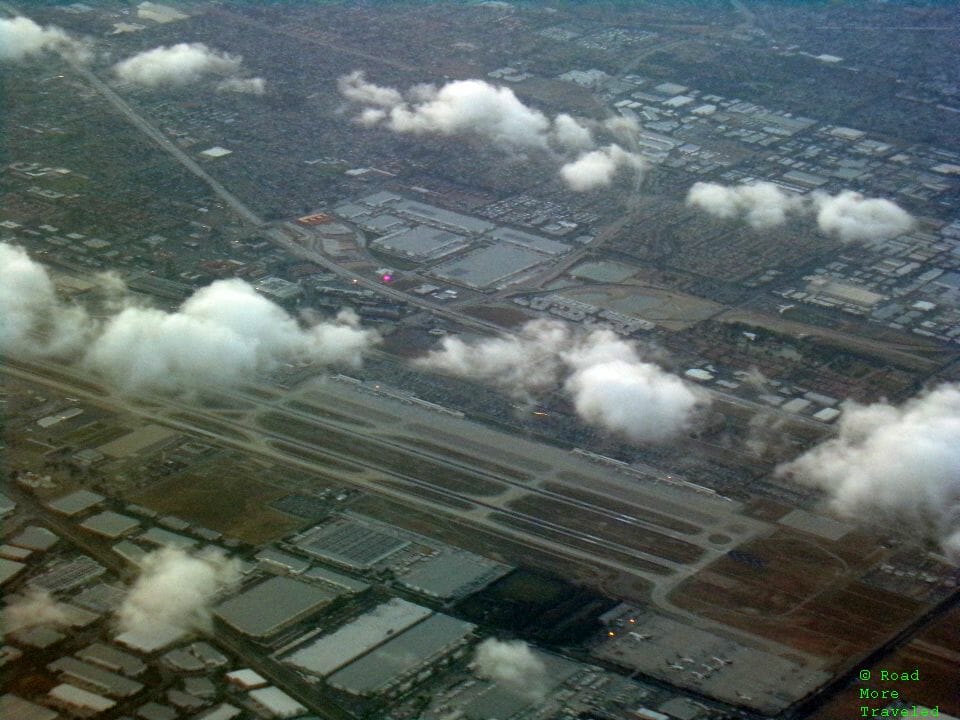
530	492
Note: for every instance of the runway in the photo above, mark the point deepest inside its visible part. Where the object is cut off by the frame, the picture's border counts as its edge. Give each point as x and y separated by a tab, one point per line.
533	493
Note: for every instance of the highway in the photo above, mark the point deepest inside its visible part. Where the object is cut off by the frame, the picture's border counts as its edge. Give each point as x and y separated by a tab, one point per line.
166	144
298	249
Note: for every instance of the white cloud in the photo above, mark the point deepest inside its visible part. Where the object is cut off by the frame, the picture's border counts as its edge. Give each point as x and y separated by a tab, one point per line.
521	364
898	467
513	664
570	134
597	168
221	334
472	106
761	204
33	320
852	217
179	64
243	86
494	113
612	387
21	37
608	382
356	88
35	607
847	215
175	591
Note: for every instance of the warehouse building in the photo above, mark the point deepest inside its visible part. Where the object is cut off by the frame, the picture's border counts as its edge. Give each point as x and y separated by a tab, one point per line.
34	537
452	574
528	240
355	545
150	641
112	659
277	561
246	679
277	703
489	266
156	711
9	569
12	552
68	574
164	538
404	657
438	216
223	711
421	243
17	708
130	552
272	605
97	678
331	652
76	502
336	581
80	700
110	524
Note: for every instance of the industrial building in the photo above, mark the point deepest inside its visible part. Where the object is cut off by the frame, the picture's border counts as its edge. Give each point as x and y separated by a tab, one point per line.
91	676
69	574
329	653
129	551
490	266
452	574
496	699
9	569
274	560
156	711
80	700
403	657
528	240
110	524
421	243
12	707
438	216
273	605
352	544
336	581
112	659
276	702
223	711
279	290
34	537
165	538
149	642
246	679
76	502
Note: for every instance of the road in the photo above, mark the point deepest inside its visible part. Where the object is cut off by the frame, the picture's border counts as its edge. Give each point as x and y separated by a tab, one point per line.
166	144
298	249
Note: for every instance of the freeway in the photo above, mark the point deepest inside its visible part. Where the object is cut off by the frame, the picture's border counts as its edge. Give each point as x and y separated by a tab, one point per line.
280	236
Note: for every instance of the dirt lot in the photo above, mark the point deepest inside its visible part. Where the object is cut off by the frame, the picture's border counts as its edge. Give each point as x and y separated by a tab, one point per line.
667	308
225	498
934	652
800	591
